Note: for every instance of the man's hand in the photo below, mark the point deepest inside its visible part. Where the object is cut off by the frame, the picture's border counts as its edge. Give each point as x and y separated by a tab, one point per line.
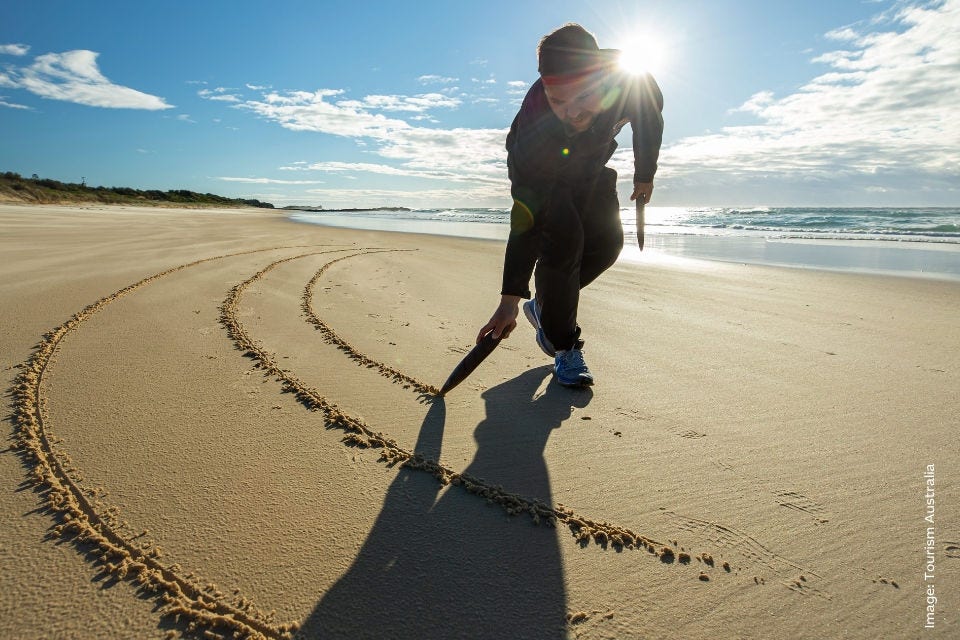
642	192
504	319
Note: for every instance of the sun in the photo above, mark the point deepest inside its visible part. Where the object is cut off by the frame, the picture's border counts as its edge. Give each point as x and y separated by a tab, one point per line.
642	55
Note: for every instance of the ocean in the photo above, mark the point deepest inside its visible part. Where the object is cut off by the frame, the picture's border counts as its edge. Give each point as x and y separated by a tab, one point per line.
916	242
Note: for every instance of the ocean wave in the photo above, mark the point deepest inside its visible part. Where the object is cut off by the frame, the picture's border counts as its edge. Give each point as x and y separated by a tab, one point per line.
941	222
916	224
806	234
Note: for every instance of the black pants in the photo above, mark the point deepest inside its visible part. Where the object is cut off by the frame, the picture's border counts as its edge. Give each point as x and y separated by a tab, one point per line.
580	238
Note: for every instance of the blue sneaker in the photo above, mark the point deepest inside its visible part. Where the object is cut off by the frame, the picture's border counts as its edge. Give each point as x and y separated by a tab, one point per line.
531	309
570	369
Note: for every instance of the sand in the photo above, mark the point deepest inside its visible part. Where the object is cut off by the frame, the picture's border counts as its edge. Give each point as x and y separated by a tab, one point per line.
225	422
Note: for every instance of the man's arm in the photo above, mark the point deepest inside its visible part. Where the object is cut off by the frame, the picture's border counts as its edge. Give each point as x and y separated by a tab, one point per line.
646	121
530	167
525	164
521	252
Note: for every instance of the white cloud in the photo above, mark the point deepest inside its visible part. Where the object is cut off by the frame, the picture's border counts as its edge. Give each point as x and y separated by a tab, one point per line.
183	117
13	105
463	156
73	76
309	111
408	171
299	165
435	79
368	167
842	34
333	198
14	49
218	95
846	60
757	103
517	88
418	103
884	115
224	98
266	180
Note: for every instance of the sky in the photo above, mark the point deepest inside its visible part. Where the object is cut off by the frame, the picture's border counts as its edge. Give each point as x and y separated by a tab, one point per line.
369	104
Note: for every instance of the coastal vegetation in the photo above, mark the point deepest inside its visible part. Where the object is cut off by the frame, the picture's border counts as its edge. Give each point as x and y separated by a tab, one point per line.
35	190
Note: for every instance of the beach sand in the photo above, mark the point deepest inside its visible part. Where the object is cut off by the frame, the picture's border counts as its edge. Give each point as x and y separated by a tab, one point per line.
228	417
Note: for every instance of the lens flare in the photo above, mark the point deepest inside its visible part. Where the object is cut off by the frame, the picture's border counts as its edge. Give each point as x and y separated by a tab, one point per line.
642	55
521	218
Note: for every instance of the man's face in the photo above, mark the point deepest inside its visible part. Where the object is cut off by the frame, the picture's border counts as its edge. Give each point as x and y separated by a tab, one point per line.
576	103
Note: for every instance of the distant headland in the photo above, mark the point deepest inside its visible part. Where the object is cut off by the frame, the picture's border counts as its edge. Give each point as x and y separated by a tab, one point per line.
14	188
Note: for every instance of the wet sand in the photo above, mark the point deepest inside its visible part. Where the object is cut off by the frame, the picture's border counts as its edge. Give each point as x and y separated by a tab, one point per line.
223	421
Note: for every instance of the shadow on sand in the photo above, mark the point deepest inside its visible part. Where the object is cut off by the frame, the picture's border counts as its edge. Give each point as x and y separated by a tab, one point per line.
440	562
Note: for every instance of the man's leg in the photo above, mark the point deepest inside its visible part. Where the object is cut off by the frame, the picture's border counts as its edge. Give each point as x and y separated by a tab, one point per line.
581	238
557	275
602	229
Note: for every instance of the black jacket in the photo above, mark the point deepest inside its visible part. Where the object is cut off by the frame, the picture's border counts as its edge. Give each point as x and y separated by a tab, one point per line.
541	156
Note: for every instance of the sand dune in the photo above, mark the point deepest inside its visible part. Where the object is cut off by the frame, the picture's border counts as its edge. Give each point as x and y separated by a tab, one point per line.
228	424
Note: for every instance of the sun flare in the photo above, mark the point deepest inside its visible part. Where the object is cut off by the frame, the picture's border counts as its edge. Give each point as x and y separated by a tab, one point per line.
642	55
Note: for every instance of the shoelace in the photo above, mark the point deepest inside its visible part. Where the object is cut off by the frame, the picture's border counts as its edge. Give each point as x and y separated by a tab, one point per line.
573	359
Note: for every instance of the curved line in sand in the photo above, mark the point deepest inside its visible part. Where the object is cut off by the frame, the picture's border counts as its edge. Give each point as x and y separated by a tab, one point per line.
583	529
85	519
330	336
360	434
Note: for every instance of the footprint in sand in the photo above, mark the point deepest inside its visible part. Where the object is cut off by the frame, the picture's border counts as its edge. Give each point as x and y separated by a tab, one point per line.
800	502
688	433
723	466
682	431
742	549
633	414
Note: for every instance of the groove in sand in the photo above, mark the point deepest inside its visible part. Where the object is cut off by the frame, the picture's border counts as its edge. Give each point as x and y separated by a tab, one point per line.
359	434
331	337
85	519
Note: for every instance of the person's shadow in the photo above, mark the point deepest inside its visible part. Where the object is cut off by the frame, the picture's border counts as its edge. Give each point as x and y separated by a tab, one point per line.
455	566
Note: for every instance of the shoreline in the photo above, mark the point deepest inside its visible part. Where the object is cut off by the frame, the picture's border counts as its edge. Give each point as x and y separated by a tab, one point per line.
922	260
902	258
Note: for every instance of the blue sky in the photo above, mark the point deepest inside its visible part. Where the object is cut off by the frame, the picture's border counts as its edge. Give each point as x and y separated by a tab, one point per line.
364	104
